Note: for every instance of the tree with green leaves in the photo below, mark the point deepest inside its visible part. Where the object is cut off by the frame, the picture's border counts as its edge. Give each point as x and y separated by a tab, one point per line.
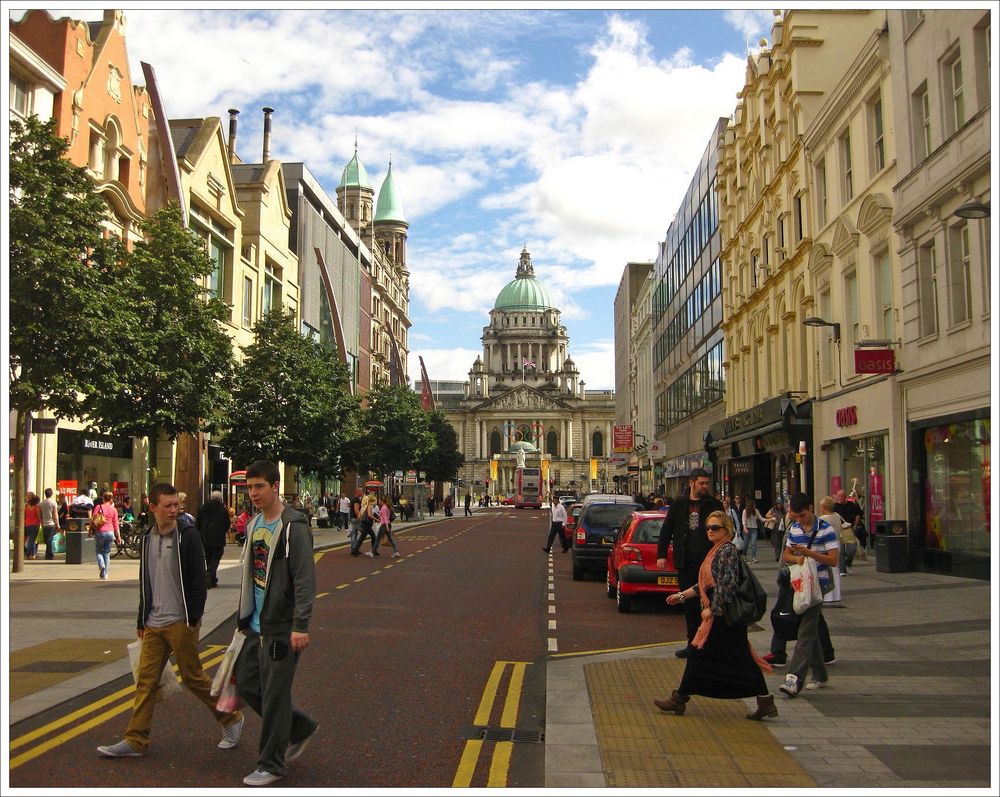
395	432
63	273
291	401
176	359
444	459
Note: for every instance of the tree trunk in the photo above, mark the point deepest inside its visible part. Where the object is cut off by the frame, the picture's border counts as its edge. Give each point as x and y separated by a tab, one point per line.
19	438
152	471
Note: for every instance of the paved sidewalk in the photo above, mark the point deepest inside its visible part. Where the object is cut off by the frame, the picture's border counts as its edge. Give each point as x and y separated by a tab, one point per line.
907	706
68	629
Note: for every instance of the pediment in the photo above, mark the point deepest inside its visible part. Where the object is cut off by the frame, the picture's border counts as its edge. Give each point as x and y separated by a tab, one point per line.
875	212
845	236
523	397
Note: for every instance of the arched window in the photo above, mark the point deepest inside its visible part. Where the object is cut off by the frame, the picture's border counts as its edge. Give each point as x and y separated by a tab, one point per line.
597	445
495	443
552	444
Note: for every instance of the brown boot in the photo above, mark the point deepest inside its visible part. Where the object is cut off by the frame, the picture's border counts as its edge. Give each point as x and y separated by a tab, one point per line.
765	708
675	704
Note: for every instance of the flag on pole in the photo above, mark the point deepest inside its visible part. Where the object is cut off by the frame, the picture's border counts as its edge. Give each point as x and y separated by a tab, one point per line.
426	397
526	363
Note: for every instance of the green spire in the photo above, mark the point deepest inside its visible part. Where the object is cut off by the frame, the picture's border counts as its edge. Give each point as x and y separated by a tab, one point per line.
355	175
390	206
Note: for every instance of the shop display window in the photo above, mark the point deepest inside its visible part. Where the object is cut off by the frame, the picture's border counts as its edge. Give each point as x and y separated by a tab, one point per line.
956	492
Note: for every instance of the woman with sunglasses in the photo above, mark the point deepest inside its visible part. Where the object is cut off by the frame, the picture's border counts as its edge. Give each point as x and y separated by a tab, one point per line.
722	663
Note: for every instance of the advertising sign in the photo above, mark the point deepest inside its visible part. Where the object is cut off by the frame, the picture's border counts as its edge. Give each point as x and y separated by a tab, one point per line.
120	489
67	488
615	461
876	498
624	438
874	361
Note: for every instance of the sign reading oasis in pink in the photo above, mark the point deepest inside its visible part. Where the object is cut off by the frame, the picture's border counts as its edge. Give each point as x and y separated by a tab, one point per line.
874	361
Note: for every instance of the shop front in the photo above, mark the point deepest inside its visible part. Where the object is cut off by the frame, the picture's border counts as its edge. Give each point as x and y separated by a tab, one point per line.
676	471
83	459
763	452
950	493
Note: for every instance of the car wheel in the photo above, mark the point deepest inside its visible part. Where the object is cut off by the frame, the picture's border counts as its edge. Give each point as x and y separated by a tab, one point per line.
612	592
577	570
623	601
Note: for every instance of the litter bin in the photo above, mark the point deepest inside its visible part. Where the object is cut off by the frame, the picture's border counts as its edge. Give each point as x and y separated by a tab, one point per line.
891	544
79	547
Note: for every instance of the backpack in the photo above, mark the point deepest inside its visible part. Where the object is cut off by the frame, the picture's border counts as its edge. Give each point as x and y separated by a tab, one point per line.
750	601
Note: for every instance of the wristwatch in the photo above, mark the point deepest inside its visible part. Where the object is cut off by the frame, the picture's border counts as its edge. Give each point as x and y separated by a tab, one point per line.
680	597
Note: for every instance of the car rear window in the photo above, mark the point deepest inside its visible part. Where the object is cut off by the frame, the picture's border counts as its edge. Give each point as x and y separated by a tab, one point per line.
606	515
648	531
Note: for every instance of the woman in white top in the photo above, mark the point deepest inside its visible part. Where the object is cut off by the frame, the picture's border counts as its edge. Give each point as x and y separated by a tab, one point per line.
752	520
836	521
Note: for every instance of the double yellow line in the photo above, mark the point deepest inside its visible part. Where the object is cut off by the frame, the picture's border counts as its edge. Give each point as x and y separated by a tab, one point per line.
500	762
211	656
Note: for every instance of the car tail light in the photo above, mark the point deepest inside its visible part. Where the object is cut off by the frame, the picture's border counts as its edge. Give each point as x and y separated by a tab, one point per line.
581	535
632	554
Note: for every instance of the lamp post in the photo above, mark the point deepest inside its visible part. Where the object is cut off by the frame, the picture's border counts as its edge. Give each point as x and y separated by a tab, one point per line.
816	321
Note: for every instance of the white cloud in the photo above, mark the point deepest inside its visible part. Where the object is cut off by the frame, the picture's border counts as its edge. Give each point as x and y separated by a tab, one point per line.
446	364
596	364
752	24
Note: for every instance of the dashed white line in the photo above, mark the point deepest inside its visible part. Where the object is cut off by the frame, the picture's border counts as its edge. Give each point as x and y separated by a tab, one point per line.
552	625
553	644
552	596
552	609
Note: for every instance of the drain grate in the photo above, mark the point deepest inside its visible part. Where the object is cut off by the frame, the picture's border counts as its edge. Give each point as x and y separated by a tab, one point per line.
510	735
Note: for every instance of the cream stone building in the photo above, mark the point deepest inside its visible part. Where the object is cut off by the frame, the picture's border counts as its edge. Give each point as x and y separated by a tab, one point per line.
764	446
941	85
524	395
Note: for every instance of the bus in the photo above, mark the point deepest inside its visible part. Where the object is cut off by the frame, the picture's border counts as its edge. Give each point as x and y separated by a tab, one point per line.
529	488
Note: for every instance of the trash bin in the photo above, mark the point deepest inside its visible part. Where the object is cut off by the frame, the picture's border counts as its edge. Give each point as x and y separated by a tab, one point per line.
891	546
79	547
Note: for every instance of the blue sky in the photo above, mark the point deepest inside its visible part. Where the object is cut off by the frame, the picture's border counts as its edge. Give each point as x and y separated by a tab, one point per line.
573	132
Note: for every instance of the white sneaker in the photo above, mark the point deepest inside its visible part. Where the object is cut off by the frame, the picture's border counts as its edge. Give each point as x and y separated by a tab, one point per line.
791	685
231	734
121	749
814	685
369	554
261	777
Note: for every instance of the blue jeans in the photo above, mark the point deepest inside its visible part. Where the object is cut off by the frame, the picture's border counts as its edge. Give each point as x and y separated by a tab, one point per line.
31	540
751	551
102	543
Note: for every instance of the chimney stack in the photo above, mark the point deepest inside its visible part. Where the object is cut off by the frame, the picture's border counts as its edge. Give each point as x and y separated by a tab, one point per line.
267	134
233	113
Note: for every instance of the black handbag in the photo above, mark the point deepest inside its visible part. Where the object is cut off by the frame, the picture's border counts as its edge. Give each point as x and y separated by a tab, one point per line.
749	602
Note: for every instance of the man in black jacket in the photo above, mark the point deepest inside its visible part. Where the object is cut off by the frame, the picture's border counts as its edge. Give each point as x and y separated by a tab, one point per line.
213	523
171	604
684	526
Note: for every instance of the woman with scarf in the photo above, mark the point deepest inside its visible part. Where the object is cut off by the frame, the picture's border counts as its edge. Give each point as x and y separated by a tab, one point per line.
721	663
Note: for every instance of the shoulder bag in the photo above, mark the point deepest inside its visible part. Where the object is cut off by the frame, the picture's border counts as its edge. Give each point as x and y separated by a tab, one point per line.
749	602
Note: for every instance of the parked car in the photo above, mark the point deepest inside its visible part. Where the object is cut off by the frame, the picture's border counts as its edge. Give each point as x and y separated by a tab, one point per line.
607	498
572	516
507	500
594	534
632	564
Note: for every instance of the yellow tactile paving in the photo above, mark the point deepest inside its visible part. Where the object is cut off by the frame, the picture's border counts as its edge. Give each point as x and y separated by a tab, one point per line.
712	745
38	667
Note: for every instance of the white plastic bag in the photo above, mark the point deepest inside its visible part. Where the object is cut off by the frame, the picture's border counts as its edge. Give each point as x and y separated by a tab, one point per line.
229	699
740	542
805	585
168	681
227	668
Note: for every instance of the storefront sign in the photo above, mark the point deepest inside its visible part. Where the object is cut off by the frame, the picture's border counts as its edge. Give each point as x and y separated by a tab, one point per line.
67	489
624	438
874	361
847	416
741	467
43	425
744	420
99	445
633	469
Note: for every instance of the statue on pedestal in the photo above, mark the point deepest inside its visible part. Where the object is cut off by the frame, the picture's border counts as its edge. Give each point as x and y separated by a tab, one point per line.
520	459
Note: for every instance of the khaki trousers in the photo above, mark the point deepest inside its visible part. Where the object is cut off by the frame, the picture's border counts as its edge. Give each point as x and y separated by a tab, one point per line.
157	645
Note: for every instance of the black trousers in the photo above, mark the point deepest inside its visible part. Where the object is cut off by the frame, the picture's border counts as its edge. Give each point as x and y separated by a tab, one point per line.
213	556
556	530
692	608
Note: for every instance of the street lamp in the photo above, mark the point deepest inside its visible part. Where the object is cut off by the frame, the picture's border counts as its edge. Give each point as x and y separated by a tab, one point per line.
973	210
816	321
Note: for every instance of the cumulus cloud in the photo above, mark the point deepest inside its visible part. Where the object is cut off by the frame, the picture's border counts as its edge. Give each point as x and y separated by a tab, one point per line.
752	24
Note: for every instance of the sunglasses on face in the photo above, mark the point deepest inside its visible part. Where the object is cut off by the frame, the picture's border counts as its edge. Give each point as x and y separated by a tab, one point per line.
715	528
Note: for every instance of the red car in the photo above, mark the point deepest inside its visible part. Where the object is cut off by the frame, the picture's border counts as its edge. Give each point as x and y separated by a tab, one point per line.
572	515
632	563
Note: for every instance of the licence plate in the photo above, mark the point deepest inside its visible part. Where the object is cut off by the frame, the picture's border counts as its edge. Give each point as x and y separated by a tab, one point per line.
667	581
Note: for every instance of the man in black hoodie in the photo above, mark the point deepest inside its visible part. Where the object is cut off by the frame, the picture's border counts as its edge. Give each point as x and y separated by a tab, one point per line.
213	523
684	526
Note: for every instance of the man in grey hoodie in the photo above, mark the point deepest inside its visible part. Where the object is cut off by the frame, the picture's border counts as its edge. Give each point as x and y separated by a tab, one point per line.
276	598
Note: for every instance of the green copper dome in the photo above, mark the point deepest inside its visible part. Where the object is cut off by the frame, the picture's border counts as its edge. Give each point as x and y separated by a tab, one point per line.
524	292
390	206
355	175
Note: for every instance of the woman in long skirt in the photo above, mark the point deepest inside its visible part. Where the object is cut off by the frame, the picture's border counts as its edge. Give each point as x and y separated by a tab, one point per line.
721	662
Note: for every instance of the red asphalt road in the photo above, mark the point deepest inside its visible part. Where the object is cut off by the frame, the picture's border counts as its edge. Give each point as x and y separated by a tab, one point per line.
395	671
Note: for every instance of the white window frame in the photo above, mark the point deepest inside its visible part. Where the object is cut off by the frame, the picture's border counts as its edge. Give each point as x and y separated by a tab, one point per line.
928	288
954	116
846	166
248	292
877	121
959	274
822	194
883	285
921	106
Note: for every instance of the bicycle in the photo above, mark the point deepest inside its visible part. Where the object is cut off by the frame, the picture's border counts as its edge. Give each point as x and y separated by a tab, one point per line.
131	540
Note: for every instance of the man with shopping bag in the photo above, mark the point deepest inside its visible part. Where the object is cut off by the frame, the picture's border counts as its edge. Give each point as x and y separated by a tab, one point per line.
172	595
809	538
